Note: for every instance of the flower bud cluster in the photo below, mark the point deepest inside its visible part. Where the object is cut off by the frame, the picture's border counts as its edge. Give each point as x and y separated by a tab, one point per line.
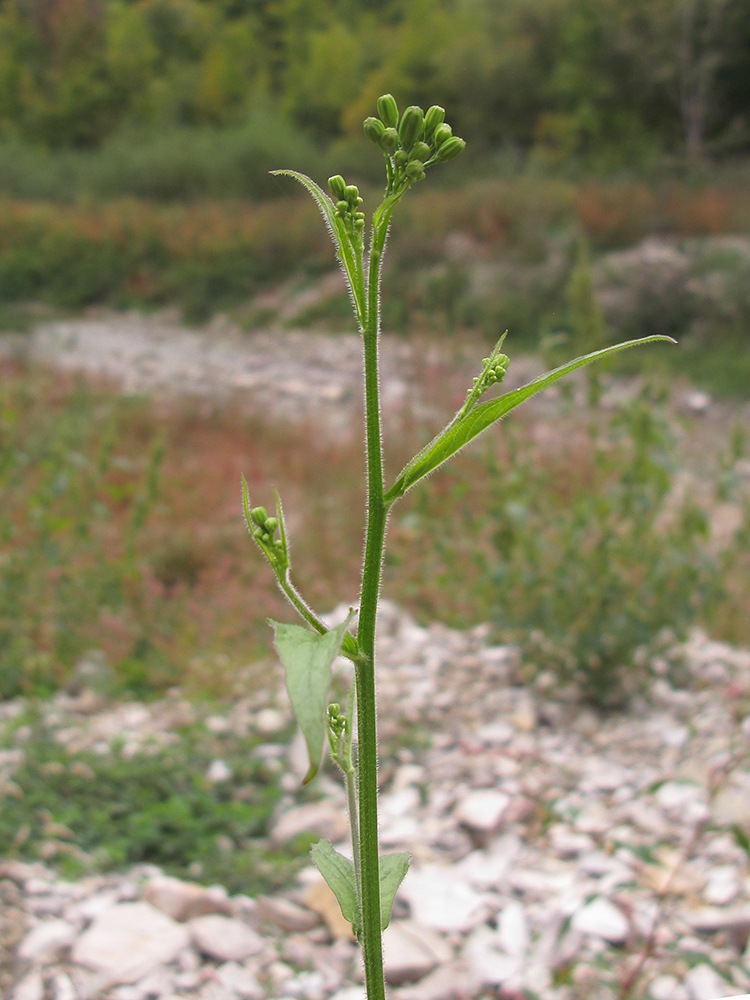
412	141
336	720
492	375
265	529
347	200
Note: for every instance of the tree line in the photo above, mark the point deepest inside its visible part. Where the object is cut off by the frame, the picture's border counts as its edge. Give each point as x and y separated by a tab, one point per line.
603	82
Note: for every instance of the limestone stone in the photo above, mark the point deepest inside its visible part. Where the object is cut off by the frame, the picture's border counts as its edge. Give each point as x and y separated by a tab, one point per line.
602	919
323	818
224	938
239	981
482	810
184	900
441	900
285	914
405	956
45	941
31	987
128	940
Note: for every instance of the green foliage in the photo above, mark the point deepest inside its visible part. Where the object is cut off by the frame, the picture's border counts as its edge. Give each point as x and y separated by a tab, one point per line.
570	81
588	572
159	809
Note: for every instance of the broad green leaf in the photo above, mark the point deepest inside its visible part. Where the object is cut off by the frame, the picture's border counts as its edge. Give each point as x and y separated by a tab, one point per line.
464	429
339	235
338	872
393	867
307	658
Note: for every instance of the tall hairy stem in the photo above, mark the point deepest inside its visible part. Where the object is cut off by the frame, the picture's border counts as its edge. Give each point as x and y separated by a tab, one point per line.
367	766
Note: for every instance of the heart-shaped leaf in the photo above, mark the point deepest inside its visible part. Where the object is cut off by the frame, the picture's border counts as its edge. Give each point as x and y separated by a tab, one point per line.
338	872
393	867
307	658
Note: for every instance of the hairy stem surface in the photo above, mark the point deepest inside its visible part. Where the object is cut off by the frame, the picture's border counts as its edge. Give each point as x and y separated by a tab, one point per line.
367	765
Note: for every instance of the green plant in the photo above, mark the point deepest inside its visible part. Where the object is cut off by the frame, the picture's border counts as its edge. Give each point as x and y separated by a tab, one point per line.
162	808
591	568
365	887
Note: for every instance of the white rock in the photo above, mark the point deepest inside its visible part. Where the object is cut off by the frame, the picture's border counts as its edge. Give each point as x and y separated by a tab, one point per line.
285	914
31	987
224	938
185	900
45	941
488	868
667	987
323	818
405	958
218	771
491	965
240	981
440	899
723	885
63	988
456	979
269	721
602	919
704	983
482	810
513	929
128	940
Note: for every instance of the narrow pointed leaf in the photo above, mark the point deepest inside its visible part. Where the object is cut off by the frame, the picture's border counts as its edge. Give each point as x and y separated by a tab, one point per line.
459	432
338	872
393	867
307	658
339	236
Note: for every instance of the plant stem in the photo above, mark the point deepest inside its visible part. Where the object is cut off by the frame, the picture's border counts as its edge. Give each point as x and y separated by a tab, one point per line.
367	763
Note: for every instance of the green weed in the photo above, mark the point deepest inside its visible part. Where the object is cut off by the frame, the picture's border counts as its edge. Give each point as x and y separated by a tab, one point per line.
160	808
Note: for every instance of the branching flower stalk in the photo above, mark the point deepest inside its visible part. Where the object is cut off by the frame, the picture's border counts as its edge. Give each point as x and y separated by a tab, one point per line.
411	143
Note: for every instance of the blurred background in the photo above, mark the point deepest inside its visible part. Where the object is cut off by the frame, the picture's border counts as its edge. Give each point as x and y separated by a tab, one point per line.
604	195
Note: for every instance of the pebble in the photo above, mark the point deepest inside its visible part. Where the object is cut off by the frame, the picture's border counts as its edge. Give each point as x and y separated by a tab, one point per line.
224	938
545	839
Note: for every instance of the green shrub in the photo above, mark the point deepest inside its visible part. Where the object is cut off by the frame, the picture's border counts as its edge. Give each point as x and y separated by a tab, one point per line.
91	810
593	563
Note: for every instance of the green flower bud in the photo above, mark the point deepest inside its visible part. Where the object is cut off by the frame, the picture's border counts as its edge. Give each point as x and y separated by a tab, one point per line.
388	110
351	194
415	170
442	132
374	130
451	148
411	126
271	525
259	516
342	207
401	158
421	152
435	116
389	140
337	186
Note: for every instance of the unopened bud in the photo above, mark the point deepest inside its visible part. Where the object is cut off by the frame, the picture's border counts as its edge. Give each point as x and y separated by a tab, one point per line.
415	170
272	524
451	148
421	152
411	126
342	207
388	110
259	516
435	116
442	132
374	130
389	140
401	158
351	193
337	186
